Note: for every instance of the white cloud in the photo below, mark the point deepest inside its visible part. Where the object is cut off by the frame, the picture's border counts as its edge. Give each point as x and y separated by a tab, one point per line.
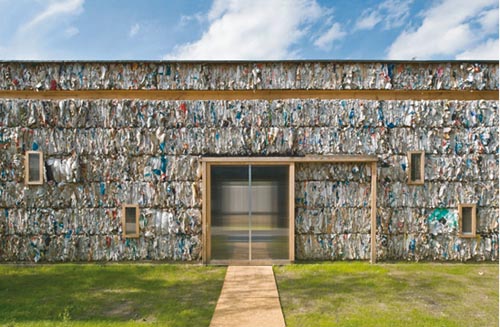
447	29
71	31
134	29
33	38
487	50
53	10
186	19
393	13
489	20
368	20
334	33
219	8
259	29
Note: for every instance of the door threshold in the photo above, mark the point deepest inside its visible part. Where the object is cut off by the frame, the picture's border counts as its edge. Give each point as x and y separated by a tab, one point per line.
263	262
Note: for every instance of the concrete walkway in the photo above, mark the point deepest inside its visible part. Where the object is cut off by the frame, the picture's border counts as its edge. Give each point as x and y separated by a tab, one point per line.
249	297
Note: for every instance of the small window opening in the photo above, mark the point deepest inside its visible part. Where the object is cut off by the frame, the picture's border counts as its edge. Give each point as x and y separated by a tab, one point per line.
467	215
416	167
33	174
130	220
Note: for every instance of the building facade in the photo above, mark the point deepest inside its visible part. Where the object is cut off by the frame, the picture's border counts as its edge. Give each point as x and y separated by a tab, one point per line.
254	162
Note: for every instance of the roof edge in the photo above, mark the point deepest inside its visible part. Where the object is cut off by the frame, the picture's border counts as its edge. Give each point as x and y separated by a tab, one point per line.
340	61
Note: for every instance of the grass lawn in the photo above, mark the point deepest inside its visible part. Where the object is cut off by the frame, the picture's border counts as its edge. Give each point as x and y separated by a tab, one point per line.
108	295
405	294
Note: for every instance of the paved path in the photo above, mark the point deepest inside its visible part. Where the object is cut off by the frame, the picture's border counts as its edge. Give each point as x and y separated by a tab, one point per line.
249	297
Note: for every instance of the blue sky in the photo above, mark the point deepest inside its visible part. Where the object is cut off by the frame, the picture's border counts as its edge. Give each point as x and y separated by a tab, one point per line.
248	29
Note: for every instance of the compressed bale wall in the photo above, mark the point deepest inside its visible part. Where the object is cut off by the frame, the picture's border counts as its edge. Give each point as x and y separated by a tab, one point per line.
100	154
332	215
325	75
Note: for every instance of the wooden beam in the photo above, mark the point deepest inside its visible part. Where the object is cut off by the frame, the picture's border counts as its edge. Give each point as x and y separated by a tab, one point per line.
251	94
286	160
373	239
335	159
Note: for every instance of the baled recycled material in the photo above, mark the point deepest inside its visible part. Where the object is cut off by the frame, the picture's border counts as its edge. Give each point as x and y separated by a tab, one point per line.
101	154
248	75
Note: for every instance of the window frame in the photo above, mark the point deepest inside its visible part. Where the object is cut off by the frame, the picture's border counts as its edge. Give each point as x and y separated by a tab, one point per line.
124	220
473	207
422	167
27	180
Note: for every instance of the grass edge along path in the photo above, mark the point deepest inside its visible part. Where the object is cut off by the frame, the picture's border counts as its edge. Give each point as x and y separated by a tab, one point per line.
109	295
397	294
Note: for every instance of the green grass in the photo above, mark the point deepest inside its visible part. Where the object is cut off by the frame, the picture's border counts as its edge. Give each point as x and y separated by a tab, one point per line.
322	294
108	295
406	294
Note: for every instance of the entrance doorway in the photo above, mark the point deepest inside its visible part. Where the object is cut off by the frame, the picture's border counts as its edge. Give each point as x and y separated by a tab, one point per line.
249	212
234	243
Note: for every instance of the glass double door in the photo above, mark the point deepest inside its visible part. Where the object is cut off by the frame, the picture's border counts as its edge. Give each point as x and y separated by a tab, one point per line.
249	212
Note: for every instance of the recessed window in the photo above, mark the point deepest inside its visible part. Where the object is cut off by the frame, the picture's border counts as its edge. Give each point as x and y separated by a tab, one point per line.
33	168
467	220
416	161
130	220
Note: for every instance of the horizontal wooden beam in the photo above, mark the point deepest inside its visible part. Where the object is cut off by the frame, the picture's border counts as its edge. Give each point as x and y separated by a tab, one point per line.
251	94
336	159
284	160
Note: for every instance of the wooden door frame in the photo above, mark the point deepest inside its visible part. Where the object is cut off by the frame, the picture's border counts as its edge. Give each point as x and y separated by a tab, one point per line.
208	162
206	212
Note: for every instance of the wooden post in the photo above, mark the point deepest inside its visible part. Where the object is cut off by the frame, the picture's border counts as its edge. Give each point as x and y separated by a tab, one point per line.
373	239
291	213
204	212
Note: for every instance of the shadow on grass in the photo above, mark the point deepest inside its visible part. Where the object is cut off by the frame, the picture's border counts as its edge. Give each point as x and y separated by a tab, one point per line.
178	295
360	294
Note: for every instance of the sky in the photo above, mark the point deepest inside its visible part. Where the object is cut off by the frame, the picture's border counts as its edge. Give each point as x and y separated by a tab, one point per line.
249	29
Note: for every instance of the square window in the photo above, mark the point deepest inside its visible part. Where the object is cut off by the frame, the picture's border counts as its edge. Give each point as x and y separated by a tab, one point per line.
416	160
130	220
467	220
33	168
